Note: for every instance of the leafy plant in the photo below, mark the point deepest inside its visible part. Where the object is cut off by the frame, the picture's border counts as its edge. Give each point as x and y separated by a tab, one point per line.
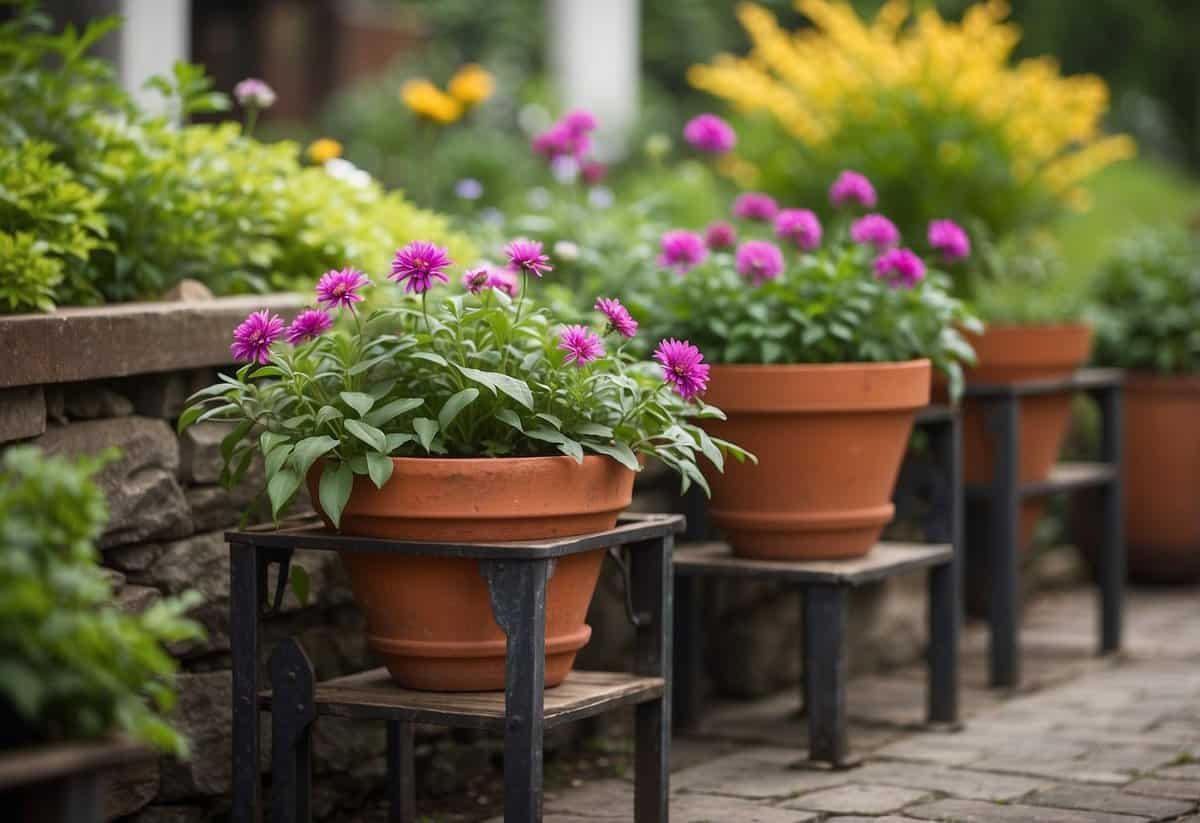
1147	304
72	664
474	375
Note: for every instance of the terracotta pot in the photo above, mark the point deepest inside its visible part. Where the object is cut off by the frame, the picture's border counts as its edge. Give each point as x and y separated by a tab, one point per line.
829	440
430	619
1162	477
1008	354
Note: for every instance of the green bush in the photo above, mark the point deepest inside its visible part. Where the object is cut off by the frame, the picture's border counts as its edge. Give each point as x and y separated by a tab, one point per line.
72	664
1147	313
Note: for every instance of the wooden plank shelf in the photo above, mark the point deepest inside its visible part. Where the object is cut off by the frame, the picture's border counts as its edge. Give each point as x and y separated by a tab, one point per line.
1064	477
373	694
885	560
39	764
1081	381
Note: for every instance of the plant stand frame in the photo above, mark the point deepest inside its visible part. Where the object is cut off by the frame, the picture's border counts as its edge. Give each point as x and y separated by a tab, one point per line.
1003	496
825	588
63	782
517	575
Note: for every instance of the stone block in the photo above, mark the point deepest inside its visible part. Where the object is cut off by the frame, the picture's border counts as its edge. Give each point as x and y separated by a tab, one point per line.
1093	798
1175	789
172	814
204	714
93	401
859	798
136	599
22	413
145	501
164	394
129	788
978	811
215	507
200	458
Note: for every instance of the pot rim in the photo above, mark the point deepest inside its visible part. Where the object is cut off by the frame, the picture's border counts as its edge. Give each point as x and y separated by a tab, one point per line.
889	365
1049	328
492	461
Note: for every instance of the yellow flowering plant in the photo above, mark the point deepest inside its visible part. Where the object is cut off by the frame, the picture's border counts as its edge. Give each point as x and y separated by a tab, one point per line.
933	111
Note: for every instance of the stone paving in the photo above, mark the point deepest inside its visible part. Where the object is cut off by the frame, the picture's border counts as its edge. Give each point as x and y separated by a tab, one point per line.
1084	740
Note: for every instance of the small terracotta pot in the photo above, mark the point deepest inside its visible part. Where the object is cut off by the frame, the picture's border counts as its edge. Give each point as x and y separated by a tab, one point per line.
829	441
430	618
1162	477
1008	354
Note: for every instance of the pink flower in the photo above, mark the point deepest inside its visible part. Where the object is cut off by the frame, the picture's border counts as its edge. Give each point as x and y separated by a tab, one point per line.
709	133
579	121
755	205
308	325
253	93
948	237
720	235
800	226
339	288
553	142
759	261
900	267
526	256
593	172
581	344
619	318
476	280
683	367
682	250
504	281
253	338
852	187
418	264
875	230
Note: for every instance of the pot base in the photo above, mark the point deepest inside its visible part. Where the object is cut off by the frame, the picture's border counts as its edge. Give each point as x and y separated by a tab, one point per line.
802	536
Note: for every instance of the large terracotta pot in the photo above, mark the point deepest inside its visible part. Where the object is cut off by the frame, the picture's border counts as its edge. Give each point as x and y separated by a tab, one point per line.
1008	354
829	441
1162	477
429	618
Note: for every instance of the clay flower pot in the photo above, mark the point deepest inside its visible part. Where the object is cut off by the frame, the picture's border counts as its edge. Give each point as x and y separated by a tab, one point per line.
1008	354
829	440
1162	477
430	619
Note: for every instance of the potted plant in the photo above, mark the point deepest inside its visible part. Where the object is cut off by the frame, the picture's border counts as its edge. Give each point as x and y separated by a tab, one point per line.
822	355
1147	314
470	417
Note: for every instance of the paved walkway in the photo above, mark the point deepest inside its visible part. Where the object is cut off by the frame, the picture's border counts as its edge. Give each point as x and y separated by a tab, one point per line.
1113	740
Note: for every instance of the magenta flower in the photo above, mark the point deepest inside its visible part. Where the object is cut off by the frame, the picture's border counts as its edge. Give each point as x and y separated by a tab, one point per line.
504	281
709	133
900	267
619	318
720	235
755	205
579	121
253	338
476	280
418	264
875	230
948	237
852	187
526	256
759	261
800	226
682	250
593	172
683	367
309	324
338	289
253	93
554	142
581	344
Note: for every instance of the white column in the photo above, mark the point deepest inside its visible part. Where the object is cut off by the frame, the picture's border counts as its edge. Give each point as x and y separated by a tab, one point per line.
155	34
596	60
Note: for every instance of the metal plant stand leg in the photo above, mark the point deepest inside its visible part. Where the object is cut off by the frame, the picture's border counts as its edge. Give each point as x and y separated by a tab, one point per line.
402	785
945	582
1004	601
652	582
518	594
688	681
825	674
246	594
292	686
1112	548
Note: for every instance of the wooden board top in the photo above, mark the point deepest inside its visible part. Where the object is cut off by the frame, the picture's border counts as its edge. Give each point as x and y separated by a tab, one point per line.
374	694
1063	477
885	560
1082	380
38	764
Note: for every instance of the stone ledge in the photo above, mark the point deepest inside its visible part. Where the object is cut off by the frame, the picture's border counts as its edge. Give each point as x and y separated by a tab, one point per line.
90	343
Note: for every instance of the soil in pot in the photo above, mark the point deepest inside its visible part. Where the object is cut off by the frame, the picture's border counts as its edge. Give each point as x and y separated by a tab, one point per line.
430	619
829	440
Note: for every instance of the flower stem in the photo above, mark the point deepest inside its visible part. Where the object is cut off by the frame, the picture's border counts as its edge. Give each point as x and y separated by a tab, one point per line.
521	299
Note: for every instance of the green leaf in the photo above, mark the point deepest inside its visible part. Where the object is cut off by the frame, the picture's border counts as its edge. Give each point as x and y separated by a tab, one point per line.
426	430
547	435
395	441
617	451
327	413
277	458
234	437
309	449
571	448
430	357
594	430
280	489
457	402
380	467
189	416
358	401
513	387
368	434
336	482
551	419
389	412
269	440
300	582
511	418
710	449
23	686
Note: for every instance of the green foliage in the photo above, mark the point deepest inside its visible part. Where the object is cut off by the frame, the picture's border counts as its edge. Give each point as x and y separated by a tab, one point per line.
1147	295
472	377
72	664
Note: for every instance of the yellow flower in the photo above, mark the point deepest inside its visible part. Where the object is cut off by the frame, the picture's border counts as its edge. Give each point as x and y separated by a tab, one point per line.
322	151
472	84
425	99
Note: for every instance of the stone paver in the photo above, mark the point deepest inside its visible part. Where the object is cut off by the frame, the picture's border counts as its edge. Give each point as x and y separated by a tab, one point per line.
707	808
1089	798
1182	771
980	811
1177	789
965	783
859	799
